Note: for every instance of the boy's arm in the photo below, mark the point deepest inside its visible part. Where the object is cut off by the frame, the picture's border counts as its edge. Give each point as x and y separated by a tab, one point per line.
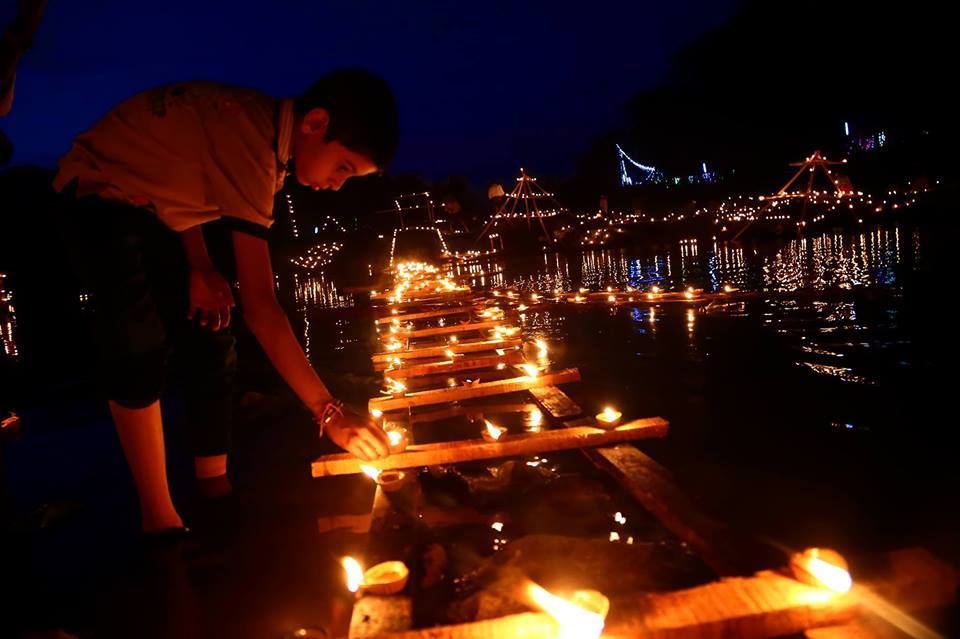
210	294
269	324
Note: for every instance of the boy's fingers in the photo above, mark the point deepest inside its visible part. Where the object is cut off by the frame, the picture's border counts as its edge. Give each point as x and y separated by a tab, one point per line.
359	449
380	446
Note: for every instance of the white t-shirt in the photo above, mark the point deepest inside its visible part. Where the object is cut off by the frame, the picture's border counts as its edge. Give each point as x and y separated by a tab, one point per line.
192	151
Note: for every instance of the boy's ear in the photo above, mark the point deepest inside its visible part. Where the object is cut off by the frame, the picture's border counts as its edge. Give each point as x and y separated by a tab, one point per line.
315	122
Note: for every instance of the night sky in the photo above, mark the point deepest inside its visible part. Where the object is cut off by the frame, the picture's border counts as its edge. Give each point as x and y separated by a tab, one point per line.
483	88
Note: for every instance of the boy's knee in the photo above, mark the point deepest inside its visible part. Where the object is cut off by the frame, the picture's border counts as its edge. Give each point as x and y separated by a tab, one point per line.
135	381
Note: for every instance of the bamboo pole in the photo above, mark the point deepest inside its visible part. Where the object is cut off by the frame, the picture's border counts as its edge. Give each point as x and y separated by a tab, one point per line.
454	365
440	312
482	389
440	330
441	351
507	446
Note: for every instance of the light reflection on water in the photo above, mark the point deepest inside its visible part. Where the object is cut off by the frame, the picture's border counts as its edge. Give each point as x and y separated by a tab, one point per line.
819	330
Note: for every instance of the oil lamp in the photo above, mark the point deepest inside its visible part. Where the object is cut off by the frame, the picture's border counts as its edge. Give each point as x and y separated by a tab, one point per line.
609	417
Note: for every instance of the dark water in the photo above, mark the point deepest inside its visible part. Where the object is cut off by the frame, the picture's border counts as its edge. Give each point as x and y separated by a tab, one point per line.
818	417
831	397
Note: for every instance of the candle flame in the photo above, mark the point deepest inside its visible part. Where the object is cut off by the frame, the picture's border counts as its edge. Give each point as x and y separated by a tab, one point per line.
354	573
542	345
395	437
832	577
610	414
371	472
493	430
376	413
573	620
529	369
395	386
611	298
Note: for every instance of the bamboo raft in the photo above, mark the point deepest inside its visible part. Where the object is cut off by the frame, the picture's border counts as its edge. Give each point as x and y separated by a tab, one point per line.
472	350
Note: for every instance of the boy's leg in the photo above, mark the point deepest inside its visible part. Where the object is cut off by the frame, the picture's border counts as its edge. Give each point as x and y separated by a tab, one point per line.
210	363
111	241
141	435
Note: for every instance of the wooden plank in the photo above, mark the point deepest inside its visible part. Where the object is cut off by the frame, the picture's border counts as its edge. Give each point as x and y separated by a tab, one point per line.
651	484
557	403
455	410
459	379
441	330
454	365
440	312
441	351
457	297
762	606
508	446
483	389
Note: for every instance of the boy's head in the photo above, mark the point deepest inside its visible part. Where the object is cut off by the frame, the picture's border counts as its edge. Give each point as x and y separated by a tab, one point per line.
346	125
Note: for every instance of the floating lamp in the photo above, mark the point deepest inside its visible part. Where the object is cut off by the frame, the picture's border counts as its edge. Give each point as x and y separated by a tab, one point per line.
823	568
609	417
386	578
581	617
529	369
492	432
397	437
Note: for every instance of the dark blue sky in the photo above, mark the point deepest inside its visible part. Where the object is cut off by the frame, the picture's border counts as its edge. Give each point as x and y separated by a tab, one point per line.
482	87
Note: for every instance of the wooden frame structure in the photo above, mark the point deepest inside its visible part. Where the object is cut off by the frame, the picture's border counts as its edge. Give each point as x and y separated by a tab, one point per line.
527	191
750	600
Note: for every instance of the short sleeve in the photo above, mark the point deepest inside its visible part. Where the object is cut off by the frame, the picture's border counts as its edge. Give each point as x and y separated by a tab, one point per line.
243	168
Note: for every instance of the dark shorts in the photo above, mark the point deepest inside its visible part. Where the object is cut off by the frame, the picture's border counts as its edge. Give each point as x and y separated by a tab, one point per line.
135	270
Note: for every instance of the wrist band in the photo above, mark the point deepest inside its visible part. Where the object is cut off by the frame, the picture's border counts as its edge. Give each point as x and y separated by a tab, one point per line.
330	411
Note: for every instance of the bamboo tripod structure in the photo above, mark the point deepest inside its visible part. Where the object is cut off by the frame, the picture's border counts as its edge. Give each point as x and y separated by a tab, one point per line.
810	164
528	191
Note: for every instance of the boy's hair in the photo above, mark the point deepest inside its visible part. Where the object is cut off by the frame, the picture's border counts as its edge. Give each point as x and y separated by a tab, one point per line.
363	112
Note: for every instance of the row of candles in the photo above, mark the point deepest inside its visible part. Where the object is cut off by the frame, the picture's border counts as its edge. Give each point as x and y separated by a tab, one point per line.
583	613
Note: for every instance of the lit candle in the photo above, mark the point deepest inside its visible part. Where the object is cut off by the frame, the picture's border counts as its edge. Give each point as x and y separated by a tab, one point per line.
582	617
492	432
529	369
397	437
823	568
609	417
386	578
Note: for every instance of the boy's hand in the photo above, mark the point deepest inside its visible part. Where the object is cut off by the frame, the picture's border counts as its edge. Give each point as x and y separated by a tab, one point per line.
356	435
210	299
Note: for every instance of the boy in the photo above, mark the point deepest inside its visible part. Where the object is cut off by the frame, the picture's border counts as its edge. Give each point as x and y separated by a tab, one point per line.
139	185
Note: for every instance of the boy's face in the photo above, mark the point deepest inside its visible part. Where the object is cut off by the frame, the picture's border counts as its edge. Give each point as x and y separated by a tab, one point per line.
322	163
